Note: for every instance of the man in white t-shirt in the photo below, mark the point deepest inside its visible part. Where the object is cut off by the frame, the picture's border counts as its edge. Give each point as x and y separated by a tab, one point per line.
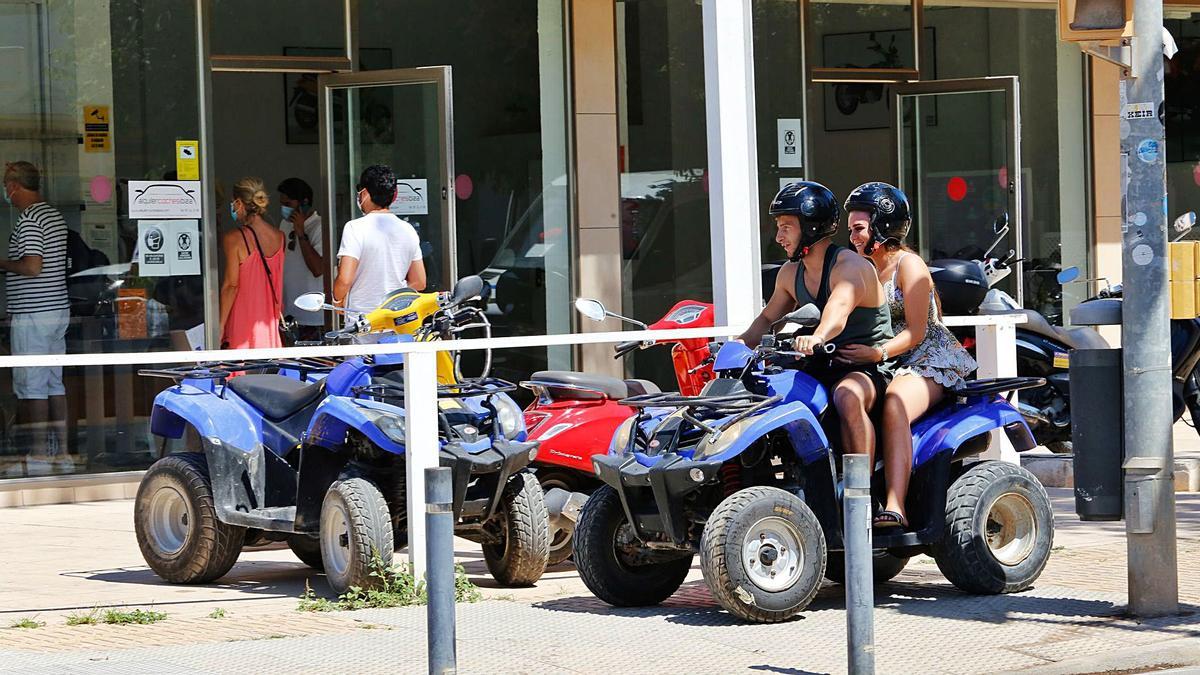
304	263
379	252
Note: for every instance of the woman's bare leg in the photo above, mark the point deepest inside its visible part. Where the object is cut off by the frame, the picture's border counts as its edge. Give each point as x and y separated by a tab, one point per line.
907	398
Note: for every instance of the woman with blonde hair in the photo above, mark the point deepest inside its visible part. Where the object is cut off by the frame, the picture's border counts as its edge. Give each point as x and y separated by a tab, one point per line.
930	361
251	292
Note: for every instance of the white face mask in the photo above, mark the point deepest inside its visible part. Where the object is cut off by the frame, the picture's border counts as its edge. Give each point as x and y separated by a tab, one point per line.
358	202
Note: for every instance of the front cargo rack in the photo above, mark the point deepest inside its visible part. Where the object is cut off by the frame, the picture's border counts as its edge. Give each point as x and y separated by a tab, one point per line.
391	392
223	370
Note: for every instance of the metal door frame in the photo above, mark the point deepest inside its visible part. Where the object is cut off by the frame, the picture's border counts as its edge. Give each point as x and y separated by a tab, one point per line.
438	75
1007	84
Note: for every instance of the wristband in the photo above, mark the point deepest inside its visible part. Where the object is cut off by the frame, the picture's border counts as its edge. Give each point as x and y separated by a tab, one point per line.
883	355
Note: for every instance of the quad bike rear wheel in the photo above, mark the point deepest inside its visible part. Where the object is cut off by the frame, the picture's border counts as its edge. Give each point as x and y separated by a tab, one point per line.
999	530
523	526
884	566
355	528
176	522
763	554
614	565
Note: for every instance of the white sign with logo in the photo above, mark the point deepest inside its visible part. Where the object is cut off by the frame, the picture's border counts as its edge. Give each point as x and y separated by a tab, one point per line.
790	131
412	197
164	199
168	248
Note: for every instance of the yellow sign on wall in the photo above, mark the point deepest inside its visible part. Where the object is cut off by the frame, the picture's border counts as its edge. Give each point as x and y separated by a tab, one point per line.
97	131
187	160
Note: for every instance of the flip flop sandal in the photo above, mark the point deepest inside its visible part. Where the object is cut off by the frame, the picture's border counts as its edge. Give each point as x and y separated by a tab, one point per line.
885	520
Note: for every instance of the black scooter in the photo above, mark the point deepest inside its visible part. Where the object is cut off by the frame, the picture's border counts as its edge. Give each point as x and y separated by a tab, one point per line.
965	287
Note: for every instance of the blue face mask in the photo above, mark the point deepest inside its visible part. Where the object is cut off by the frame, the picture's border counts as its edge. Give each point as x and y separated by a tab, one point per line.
287	211
233	212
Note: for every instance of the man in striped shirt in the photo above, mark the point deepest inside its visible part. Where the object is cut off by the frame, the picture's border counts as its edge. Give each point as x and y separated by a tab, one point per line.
39	309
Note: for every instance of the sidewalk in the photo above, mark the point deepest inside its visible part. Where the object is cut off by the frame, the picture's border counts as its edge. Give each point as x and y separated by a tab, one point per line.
69	558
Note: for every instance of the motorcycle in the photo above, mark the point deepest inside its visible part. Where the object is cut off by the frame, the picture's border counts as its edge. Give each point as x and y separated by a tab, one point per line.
313	454
745	475
1043	349
574	415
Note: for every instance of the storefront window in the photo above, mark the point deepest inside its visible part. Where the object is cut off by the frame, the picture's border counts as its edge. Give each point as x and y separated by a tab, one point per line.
665	237
93	95
1182	83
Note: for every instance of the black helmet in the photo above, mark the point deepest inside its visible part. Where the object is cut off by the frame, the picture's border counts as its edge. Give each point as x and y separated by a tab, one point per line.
888	207
816	208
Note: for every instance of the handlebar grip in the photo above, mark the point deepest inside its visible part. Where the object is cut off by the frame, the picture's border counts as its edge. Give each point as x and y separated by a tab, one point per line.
625	347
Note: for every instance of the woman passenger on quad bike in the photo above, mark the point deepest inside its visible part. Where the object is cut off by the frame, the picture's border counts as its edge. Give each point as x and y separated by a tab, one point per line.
853	307
930	360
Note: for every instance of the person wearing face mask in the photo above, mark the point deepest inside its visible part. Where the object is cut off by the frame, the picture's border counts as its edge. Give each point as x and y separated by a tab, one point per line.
304	263
252	288
379	252
39	309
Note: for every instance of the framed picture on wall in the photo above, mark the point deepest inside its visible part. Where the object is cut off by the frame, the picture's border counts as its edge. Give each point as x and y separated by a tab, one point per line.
854	106
301	106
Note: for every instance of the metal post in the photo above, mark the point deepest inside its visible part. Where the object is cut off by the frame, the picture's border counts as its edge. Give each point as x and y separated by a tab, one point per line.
439	527
421	451
860	592
1145	329
734	208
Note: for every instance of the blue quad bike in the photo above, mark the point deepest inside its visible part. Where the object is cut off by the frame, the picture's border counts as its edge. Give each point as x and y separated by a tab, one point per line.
314	455
747	475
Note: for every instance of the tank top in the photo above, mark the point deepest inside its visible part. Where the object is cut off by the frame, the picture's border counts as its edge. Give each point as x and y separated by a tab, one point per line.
871	326
254	318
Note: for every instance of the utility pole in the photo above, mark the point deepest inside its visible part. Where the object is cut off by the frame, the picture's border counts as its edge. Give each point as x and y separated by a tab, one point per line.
1145	328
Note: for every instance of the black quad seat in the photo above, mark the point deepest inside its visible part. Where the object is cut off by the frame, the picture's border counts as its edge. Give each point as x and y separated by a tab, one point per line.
277	397
568	384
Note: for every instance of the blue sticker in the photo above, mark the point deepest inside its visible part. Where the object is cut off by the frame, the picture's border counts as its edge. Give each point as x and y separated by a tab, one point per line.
1147	151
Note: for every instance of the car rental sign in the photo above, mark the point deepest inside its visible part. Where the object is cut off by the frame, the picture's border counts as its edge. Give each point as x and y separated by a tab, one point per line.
164	199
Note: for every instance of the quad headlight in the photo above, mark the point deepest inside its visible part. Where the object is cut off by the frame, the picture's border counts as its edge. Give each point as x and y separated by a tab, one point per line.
620	440
509	417
392	426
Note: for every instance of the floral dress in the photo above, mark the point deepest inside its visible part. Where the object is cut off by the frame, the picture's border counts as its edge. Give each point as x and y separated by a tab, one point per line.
939	357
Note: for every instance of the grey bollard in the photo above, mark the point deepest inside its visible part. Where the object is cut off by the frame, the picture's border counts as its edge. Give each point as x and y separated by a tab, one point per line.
439	570
860	592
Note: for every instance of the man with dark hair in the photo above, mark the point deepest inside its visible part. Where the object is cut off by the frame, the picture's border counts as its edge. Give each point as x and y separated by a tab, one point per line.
39	307
379	252
304	261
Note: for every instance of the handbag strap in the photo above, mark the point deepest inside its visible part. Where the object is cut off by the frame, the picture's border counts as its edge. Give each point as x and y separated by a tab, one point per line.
266	268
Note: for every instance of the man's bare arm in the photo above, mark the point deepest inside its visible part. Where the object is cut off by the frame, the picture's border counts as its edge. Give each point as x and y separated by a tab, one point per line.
782	300
846	290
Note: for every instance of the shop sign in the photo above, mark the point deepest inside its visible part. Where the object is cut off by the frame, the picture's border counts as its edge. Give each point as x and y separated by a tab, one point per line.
187	160
790	132
1137	111
164	199
412	197
97	132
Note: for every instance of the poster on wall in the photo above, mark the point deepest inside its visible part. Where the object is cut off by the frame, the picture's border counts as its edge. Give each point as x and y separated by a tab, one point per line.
411	197
300	96
164	199
789	132
854	106
167	248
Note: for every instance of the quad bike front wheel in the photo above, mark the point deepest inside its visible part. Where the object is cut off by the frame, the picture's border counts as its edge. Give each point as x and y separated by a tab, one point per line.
522	529
355	529
999	530
615	566
763	554
176	522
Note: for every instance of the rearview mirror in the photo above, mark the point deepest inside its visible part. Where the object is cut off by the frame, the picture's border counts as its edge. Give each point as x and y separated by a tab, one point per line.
1183	224
807	316
466	289
1001	223
592	309
311	302
1067	275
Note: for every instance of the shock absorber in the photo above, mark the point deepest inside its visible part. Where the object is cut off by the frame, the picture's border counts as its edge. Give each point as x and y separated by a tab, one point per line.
731	477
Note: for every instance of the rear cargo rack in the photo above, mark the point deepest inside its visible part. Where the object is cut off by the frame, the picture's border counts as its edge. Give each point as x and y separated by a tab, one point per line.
223	370
394	393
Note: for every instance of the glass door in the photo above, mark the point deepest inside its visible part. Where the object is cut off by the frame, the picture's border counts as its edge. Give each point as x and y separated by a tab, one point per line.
401	118
958	146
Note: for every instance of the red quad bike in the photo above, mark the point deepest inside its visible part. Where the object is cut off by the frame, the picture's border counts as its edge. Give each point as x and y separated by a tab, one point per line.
575	414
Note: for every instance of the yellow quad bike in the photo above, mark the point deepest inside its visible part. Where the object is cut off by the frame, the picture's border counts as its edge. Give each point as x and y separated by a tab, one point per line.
423	316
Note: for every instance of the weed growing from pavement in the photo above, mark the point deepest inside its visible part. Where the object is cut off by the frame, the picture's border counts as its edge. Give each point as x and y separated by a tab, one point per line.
393	587
218	613
89	618
27	623
138	616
